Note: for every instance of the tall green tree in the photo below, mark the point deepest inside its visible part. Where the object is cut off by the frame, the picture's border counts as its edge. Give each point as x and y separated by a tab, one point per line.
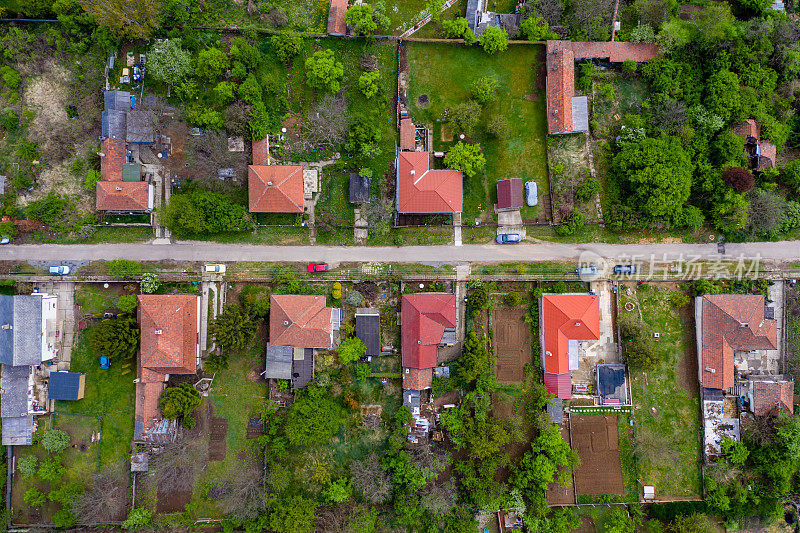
313	419
116	338
494	40
467	158
168	62
323	71
233	329
286	44
179	401
350	350
131	19
294	513
361	18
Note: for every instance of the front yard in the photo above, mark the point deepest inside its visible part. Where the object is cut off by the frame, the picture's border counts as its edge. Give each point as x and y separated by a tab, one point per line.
666	409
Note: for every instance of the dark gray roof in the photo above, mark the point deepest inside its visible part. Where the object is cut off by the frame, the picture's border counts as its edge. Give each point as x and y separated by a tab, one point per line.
140	127
368	330
20	330
472	12
580	113
2	184
303	369
411	399
114	124
64	385
117	100
279	362
449	336
14	398
359	188
611	382
555	410
18	431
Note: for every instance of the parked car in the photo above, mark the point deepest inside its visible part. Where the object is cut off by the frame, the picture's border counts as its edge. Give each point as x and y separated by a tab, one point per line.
318	267
507	238
5	240
59	270
218	269
104	362
586	270
531	193
625	269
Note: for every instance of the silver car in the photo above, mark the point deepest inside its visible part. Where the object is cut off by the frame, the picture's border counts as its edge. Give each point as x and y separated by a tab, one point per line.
531	193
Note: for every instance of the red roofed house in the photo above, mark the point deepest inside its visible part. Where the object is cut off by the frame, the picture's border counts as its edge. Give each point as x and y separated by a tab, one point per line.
428	321
170	329
771	392
301	321
422	190
113	151
566	320
275	188
124	196
336	15
509	194
763	154
727	323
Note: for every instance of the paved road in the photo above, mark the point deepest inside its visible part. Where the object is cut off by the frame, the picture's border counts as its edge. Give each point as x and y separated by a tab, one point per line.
204	251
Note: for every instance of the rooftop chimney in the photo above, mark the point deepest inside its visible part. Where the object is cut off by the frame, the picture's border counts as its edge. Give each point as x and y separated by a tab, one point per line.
158	332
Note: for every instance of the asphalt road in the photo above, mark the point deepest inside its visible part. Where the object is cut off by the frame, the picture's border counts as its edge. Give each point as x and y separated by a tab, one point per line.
213	252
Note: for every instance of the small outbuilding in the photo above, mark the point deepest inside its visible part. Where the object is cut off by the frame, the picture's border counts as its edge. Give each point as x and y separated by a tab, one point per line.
68	386
611	384
509	194
359	188
368	329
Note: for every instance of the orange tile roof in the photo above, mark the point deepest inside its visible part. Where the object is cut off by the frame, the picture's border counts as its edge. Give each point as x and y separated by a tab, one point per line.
336	15
146	408
407	141
417	379
773	394
732	322
260	153
421	190
301	321
275	188
566	317
425	316
113	157
169	329
748	128
769	152
123	196
560	63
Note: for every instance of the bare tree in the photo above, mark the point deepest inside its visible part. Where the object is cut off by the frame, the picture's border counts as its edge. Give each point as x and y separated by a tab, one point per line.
333	519
379	213
176	465
327	123
550	10
424	456
243	497
371	479
105	499
439	498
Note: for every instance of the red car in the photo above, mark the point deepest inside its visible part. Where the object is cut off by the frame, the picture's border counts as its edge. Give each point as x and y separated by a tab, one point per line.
318	267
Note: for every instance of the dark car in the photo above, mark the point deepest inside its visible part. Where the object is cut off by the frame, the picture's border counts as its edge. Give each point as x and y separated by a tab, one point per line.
625	269
318	267
506	238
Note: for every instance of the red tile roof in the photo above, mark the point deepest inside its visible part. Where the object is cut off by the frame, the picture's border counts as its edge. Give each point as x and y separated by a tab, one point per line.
425	317
732	322
301	321
113	157
773	394
560	63
769	152
407	141
123	196
169	328
275	188
509	193
566	317
748	128
421	190
559	385
260	153
417	379
336	14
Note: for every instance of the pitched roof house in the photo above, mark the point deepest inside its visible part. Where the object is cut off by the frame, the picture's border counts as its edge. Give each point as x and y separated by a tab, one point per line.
124	196
729	323
301	321
14	408
768	394
368	329
566	320
422	190
429	319
113	151
275	188
509	194
170	328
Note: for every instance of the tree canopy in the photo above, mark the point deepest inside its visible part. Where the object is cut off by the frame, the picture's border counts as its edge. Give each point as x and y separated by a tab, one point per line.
233	329
168	62
323	71
313	419
467	158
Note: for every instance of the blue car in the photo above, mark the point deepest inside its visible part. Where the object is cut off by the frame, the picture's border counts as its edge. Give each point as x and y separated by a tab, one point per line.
104	362
505	238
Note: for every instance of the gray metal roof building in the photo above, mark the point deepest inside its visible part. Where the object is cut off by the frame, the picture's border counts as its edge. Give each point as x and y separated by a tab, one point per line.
279	362
20	330
17	423
580	113
140	127
359	188
66	386
368	329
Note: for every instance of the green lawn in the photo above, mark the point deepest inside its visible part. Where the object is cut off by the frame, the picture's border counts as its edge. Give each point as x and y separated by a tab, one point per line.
109	397
667	416
94	300
334	202
445	73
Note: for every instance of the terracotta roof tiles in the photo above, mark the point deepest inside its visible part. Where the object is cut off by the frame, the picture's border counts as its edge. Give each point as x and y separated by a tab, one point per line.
509	193
113	157
773	394
336	15
425	317
407	140
417	379
421	190
275	188
260	153
301	321
123	196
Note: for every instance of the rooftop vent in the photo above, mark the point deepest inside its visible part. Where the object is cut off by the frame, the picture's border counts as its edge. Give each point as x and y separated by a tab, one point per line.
548	352
119	188
269	184
285	322
7	326
712	370
743	324
577	324
158	332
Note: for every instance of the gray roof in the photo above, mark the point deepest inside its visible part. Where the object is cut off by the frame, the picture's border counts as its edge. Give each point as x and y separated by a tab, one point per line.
611	382
580	113
18	431
368	330
303	369
473	6
14	398
279	362
2	184
442	371
114	124
64	385
411	399
449	336
359	188
117	100
140	127
20	330
555	410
